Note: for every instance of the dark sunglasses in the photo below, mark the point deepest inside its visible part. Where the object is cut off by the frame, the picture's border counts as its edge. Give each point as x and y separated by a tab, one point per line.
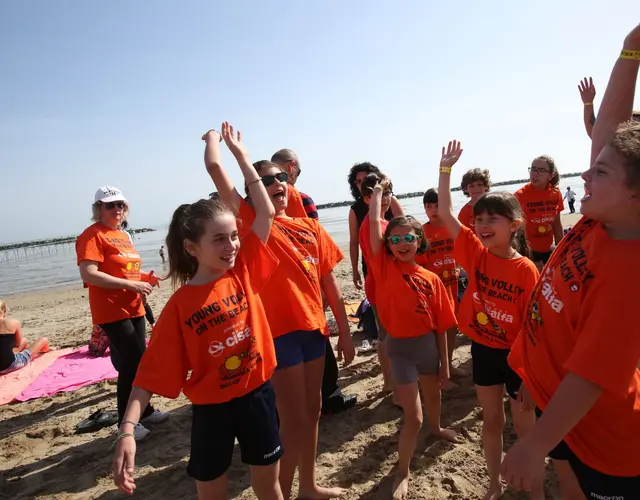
407	238
113	204
267	180
536	170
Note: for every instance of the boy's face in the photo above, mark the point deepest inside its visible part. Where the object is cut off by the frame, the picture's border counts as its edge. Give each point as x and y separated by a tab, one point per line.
476	189
431	209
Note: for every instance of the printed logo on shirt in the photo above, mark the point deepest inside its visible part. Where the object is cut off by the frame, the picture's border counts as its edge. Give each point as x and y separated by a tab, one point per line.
423	292
217	313
238	364
217	347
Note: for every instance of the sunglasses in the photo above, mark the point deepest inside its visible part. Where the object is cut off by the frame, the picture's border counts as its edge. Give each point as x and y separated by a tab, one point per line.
267	180
407	238
536	170
113	204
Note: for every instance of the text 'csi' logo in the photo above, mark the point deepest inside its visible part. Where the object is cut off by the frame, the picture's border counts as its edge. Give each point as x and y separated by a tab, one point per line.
217	347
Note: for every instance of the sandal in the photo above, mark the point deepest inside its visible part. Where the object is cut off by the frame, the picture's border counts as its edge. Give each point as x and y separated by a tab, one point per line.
97	421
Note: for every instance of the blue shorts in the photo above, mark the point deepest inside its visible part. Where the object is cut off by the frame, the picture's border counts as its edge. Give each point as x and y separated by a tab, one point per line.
22	359
299	346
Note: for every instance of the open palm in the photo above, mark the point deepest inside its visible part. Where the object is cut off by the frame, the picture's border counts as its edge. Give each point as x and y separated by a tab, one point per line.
587	90
451	154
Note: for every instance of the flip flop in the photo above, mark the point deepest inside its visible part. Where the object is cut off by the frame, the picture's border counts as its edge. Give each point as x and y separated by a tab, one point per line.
97	421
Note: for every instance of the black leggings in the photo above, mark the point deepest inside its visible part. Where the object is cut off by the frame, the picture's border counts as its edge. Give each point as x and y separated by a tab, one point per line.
128	343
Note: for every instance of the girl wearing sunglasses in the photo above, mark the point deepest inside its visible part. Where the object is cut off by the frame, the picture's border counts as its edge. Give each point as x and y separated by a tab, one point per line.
501	280
416	310
292	300
542	204
110	267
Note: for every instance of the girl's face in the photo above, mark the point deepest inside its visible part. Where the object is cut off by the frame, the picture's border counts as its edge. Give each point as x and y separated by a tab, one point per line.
403	243
276	185
476	189
495	231
431	209
540	174
218	246
112	213
610	200
360	176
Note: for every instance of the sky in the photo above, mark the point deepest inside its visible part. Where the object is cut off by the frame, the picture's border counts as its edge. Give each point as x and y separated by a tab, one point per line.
119	93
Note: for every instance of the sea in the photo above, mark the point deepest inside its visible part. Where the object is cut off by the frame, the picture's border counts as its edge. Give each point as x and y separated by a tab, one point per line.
56	267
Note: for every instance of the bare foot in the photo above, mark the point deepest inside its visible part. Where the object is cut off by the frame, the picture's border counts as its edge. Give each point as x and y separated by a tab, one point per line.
494	493
400	487
457	372
446	434
320	493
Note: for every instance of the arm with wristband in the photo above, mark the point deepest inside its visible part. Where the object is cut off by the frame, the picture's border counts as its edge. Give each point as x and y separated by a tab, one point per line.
450	156
588	94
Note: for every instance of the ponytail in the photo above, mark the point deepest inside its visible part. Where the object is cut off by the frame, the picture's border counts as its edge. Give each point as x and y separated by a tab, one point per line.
520	243
182	266
188	223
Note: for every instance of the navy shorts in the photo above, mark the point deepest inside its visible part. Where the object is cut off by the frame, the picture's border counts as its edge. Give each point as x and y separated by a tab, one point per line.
541	256
490	367
299	346
252	419
595	484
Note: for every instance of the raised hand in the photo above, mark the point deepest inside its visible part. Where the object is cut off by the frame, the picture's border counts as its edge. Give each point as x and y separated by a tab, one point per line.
233	141
632	40
212	135
587	91
451	154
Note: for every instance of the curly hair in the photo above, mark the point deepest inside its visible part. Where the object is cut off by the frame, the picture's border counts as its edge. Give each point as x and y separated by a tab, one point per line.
353	173
626	140
475	175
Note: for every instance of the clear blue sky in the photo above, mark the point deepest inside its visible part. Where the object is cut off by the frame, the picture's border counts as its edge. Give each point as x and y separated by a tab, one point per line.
119	93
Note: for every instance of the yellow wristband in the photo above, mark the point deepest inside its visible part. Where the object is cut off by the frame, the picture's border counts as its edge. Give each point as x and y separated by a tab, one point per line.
630	54
445	170
588	103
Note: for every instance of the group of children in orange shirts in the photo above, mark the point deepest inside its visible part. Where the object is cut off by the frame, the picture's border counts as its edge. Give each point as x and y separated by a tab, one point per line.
243	336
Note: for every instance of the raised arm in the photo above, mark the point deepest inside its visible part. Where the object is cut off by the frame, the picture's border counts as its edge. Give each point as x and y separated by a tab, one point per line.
617	103
224	184
265	211
354	249
375	229
588	94
396	207
450	156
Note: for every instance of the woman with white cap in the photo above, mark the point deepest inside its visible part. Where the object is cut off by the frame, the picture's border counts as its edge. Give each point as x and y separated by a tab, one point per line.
110	267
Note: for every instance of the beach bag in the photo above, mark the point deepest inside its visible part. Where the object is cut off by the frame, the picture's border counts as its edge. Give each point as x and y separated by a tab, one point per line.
99	342
367	319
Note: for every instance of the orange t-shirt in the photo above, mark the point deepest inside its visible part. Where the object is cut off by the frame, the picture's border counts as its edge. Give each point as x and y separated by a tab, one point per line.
411	301
493	307
292	298
295	206
365	245
540	211
465	216
219	331
582	319
439	258
116	256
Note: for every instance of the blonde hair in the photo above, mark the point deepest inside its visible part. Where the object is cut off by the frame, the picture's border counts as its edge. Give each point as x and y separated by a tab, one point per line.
95	212
3	307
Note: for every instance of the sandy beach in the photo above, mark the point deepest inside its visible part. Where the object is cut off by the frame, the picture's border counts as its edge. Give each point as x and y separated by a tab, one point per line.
41	456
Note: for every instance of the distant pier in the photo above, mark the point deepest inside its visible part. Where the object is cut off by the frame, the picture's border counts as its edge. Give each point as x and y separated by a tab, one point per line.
26	250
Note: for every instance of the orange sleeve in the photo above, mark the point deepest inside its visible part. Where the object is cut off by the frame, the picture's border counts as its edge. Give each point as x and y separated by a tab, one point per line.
328	252
164	365
608	345
89	247
246	216
445	317
466	247
295	206
258	259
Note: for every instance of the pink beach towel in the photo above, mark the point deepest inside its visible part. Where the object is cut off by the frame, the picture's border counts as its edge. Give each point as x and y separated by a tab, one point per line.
68	373
12	384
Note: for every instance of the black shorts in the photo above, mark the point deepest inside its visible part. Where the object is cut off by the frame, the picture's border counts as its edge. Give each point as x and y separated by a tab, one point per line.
490	367
541	256
595	484
252	419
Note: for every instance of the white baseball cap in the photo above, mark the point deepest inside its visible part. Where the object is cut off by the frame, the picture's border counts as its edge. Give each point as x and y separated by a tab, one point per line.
106	194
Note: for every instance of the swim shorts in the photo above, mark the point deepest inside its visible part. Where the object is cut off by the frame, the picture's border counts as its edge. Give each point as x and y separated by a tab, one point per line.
299	346
412	357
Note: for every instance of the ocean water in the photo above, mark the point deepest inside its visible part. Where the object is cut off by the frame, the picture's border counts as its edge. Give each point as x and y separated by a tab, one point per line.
56	266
